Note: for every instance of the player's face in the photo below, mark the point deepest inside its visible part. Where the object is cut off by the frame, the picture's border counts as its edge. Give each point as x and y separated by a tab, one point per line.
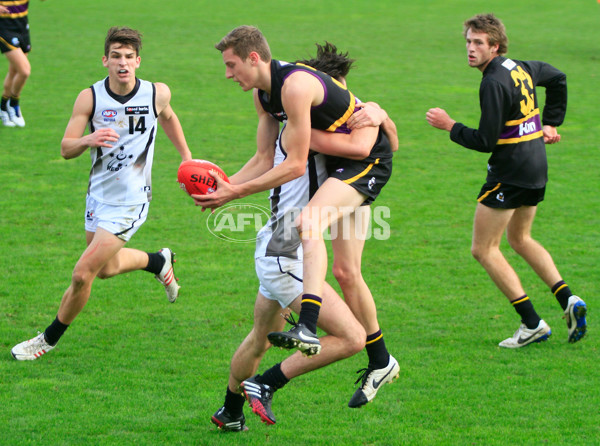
479	51
122	61
239	70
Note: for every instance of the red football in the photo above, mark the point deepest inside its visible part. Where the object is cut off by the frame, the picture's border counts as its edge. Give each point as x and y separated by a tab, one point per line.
194	178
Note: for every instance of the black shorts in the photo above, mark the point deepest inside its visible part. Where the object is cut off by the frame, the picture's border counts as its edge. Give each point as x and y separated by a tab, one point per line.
13	38
506	196
367	176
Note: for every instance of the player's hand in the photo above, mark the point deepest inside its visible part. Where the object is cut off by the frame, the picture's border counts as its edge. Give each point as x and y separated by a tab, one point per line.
4	10
224	194
369	114
551	135
438	118
102	138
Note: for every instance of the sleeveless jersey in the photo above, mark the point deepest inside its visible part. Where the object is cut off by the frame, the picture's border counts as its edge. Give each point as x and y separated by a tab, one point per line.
279	236
121	175
338	103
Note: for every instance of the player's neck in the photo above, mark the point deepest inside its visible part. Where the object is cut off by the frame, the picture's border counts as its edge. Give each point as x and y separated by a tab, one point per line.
484	66
120	88
264	78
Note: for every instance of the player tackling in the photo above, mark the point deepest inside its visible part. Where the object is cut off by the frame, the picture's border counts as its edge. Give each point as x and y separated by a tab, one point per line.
122	112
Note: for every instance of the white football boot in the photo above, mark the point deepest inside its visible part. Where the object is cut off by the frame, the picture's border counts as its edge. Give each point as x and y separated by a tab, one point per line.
167	275
6	122
525	336
575	316
15	115
32	349
372	379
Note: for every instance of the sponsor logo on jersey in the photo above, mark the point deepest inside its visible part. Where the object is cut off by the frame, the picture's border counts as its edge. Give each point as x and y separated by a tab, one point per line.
109	113
137	110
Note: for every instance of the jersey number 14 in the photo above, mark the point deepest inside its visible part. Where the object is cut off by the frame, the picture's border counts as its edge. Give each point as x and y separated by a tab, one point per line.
139	126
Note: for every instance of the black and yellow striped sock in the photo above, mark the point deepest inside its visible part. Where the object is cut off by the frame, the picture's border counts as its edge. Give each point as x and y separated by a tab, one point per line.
309	312
562	292
377	351
524	307
3	103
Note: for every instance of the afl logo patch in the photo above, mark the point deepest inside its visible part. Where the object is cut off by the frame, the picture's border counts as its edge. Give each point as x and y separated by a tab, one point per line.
109	113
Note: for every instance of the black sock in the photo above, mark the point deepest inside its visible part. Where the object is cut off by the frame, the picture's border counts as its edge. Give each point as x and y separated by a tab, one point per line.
274	378
14	101
376	350
524	307
234	403
155	262
3	103
54	331
562	292
309	312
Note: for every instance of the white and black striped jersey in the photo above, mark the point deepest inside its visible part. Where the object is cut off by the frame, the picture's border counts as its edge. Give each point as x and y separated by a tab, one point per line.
279	236
121	175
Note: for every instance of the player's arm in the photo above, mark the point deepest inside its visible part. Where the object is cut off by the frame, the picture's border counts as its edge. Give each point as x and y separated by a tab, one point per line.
169	121
494	113
297	97
555	107
371	114
355	145
74	142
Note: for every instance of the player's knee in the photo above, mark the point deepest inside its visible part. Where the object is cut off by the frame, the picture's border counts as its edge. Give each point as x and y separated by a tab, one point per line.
478	252
258	344
25	72
518	243
345	274
357	341
81	277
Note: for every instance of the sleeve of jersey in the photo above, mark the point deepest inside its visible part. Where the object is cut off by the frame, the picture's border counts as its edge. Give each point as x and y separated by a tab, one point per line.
492	99
555	83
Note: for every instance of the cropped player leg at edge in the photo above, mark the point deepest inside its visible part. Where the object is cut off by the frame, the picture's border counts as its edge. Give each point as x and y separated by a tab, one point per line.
19	71
332	201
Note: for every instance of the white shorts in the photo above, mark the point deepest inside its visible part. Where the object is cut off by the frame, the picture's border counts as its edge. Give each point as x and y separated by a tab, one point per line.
280	278
122	221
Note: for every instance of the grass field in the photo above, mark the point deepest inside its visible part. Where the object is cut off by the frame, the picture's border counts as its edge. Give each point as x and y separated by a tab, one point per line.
133	369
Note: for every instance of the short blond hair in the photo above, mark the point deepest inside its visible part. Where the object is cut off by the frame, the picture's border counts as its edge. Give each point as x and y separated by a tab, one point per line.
244	40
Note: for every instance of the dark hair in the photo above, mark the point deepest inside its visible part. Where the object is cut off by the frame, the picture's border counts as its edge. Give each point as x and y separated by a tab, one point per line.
125	36
492	26
244	40
330	61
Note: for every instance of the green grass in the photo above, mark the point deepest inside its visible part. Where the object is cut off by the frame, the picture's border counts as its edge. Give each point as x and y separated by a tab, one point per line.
133	369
